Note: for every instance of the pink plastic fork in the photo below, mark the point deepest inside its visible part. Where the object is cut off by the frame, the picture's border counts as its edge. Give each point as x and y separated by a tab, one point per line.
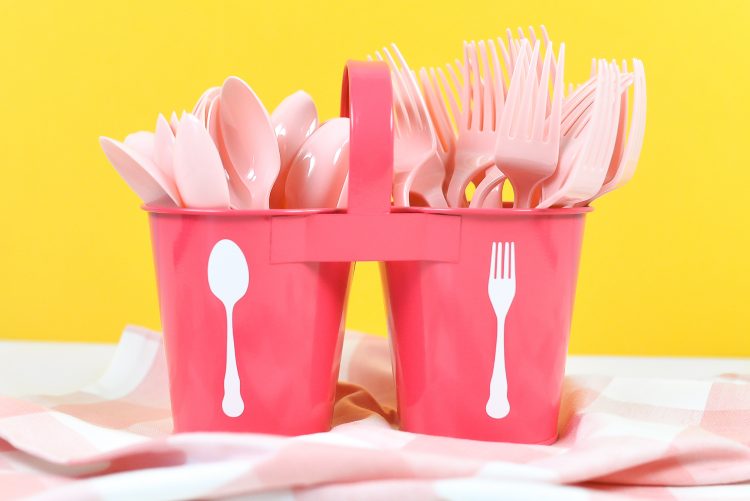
583	164
624	164
482	103
529	141
418	168
441	118
488	192
437	106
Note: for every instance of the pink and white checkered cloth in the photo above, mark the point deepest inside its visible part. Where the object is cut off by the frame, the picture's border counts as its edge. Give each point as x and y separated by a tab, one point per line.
620	438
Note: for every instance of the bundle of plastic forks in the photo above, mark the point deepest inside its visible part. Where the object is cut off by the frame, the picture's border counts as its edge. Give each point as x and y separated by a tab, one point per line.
501	115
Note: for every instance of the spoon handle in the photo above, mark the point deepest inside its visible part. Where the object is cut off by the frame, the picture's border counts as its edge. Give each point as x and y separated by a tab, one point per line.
232	404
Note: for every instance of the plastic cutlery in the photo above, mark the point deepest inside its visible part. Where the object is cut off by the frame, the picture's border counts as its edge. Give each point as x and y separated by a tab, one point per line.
173	122
142	142
482	103
228	279
571	140
318	172
250	140
141	174
198	171
528	140
418	168
488	193
164	146
583	166
444	128
441	118
201	107
212	118
624	165
344	196
294	120
239	194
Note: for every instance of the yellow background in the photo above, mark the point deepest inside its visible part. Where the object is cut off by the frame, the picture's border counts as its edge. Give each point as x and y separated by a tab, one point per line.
665	264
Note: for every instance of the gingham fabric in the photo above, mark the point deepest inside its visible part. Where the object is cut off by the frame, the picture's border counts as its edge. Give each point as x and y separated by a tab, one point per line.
620	438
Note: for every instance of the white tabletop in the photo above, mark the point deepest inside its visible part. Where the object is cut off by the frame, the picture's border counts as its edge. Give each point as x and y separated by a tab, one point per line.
28	368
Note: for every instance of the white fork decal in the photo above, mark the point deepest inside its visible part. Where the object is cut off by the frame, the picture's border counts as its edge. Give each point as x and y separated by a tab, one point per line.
501	288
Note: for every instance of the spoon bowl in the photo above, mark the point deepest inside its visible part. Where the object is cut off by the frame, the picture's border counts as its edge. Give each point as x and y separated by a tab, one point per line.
318	172
294	120
250	140
197	166
141	174
164	146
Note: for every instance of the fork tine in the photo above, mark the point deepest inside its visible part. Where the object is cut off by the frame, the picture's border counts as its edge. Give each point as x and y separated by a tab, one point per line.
461	85
410	106
542	98
593	128
493	262
533	40
598	107
614	116
599	116
545	35
634	142
463	90
512	101
578	127
459	65
450	93
638	118
512	260
530	86
413	87
472	62
532	35
606	127
508	65
437	107
506	260
402	115
548	45
499	86
619	147
553	132
513	48
488	89
605	153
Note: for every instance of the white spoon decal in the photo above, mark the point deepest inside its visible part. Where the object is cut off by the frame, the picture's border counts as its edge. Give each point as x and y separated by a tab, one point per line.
228	278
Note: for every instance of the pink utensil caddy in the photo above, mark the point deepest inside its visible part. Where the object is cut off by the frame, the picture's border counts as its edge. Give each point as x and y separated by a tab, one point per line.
443	275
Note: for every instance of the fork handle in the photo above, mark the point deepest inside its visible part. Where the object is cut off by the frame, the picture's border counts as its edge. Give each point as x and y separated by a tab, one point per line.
498	406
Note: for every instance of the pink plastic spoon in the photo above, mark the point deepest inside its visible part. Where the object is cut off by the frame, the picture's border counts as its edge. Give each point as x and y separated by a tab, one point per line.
318	172
239	194
344	195
249	139
294	119
200	110
142	142
164	146
141	174
197	167
173	122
